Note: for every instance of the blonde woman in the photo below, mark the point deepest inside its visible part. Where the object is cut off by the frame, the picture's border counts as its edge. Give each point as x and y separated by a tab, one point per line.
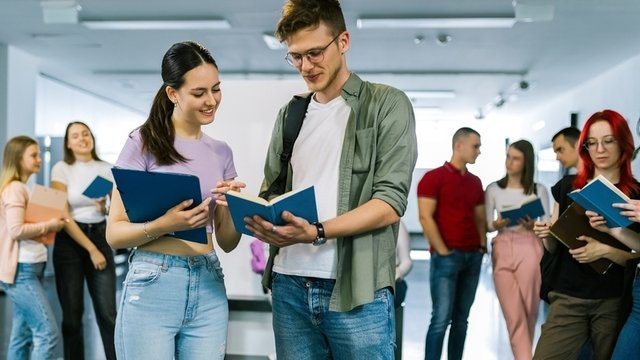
23	255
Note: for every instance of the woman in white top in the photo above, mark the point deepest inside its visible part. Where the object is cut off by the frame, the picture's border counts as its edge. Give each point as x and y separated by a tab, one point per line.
516	251
81	252
23	255
403	263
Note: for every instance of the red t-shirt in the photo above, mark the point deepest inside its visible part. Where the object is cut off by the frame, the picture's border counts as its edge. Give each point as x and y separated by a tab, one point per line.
457	194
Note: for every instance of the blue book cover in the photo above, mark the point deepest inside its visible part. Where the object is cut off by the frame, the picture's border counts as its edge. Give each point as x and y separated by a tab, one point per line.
530	208
598	195
148	195
301	203
98	188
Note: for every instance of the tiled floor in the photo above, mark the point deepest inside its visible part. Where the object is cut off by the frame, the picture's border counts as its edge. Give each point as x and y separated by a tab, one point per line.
487	338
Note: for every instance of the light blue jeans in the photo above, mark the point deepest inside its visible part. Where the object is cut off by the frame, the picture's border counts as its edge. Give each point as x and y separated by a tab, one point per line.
305	329
453	282
34	330
172	306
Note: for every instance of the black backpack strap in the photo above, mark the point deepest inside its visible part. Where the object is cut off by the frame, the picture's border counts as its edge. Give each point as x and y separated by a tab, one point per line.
296	111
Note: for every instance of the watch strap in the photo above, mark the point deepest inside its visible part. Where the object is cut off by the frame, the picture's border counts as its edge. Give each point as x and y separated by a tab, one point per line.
320	236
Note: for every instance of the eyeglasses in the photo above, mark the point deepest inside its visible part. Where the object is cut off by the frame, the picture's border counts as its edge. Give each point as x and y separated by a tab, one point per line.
607	142
313	56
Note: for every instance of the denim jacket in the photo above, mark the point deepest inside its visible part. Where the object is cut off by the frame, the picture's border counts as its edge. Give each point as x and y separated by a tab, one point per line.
378	157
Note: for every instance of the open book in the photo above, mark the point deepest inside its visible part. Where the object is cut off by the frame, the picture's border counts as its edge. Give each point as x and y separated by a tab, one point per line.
301	203
45	204
98	188
573	223
531	208
598	195
147	195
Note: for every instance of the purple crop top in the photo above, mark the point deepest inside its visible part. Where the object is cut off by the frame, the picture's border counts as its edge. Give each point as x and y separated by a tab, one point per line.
210	160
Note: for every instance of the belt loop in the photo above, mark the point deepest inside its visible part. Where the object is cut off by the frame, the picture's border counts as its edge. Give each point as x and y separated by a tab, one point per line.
165	263
131	255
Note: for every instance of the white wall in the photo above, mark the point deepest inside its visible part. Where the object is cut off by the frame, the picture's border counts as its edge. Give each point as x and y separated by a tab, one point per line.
245	120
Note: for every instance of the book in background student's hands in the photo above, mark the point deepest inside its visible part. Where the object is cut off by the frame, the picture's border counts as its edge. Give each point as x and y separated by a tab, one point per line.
530	208
573	223
598	195
148	195
98	188
301	203
45	204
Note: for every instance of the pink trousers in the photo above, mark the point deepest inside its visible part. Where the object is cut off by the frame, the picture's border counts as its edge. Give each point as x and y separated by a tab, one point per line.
516	273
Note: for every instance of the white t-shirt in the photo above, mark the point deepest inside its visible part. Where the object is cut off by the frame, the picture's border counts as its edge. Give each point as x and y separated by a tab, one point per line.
31	251
498	199
77	178
316	161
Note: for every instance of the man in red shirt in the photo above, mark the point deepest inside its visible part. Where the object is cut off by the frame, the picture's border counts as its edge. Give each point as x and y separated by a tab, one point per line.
452	215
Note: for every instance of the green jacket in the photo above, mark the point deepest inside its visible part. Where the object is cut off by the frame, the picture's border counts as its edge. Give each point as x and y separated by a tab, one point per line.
378	157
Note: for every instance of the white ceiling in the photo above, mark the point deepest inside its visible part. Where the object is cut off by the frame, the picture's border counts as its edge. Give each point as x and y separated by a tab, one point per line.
584	38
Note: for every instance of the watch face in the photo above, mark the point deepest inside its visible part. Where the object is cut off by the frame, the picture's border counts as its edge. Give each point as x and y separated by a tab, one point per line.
319	241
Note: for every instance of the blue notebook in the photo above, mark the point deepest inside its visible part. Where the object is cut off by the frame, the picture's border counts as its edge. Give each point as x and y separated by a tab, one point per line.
598	195
148	195
98	188
531	208
301	203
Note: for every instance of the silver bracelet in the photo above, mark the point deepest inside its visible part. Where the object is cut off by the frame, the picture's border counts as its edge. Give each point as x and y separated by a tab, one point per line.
146	233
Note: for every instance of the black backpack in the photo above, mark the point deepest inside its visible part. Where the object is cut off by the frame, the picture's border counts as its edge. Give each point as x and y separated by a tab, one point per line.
296	112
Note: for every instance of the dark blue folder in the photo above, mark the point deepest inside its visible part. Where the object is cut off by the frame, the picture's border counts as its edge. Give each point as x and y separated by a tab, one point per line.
98	188
148	195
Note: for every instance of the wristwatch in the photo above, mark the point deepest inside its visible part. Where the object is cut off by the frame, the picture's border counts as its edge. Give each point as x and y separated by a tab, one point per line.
320	239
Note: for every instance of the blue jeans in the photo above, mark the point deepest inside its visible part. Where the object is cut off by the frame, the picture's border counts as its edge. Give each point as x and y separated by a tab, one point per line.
34	324
628	345
453	281
73	267
172	306
305	329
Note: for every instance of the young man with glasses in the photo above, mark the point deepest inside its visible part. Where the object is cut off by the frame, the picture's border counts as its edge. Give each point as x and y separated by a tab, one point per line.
332	281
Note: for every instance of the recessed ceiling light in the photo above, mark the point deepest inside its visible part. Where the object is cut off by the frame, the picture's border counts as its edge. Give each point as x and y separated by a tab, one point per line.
440	23
272	42
210	24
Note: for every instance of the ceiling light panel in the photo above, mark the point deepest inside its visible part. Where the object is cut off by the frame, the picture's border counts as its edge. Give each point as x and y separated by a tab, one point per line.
438	23
211	24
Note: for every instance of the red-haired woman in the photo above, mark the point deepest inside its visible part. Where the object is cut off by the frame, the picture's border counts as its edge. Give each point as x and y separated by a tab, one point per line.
583	303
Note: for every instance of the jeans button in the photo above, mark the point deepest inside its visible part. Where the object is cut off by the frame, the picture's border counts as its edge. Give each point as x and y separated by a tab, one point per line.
307	284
